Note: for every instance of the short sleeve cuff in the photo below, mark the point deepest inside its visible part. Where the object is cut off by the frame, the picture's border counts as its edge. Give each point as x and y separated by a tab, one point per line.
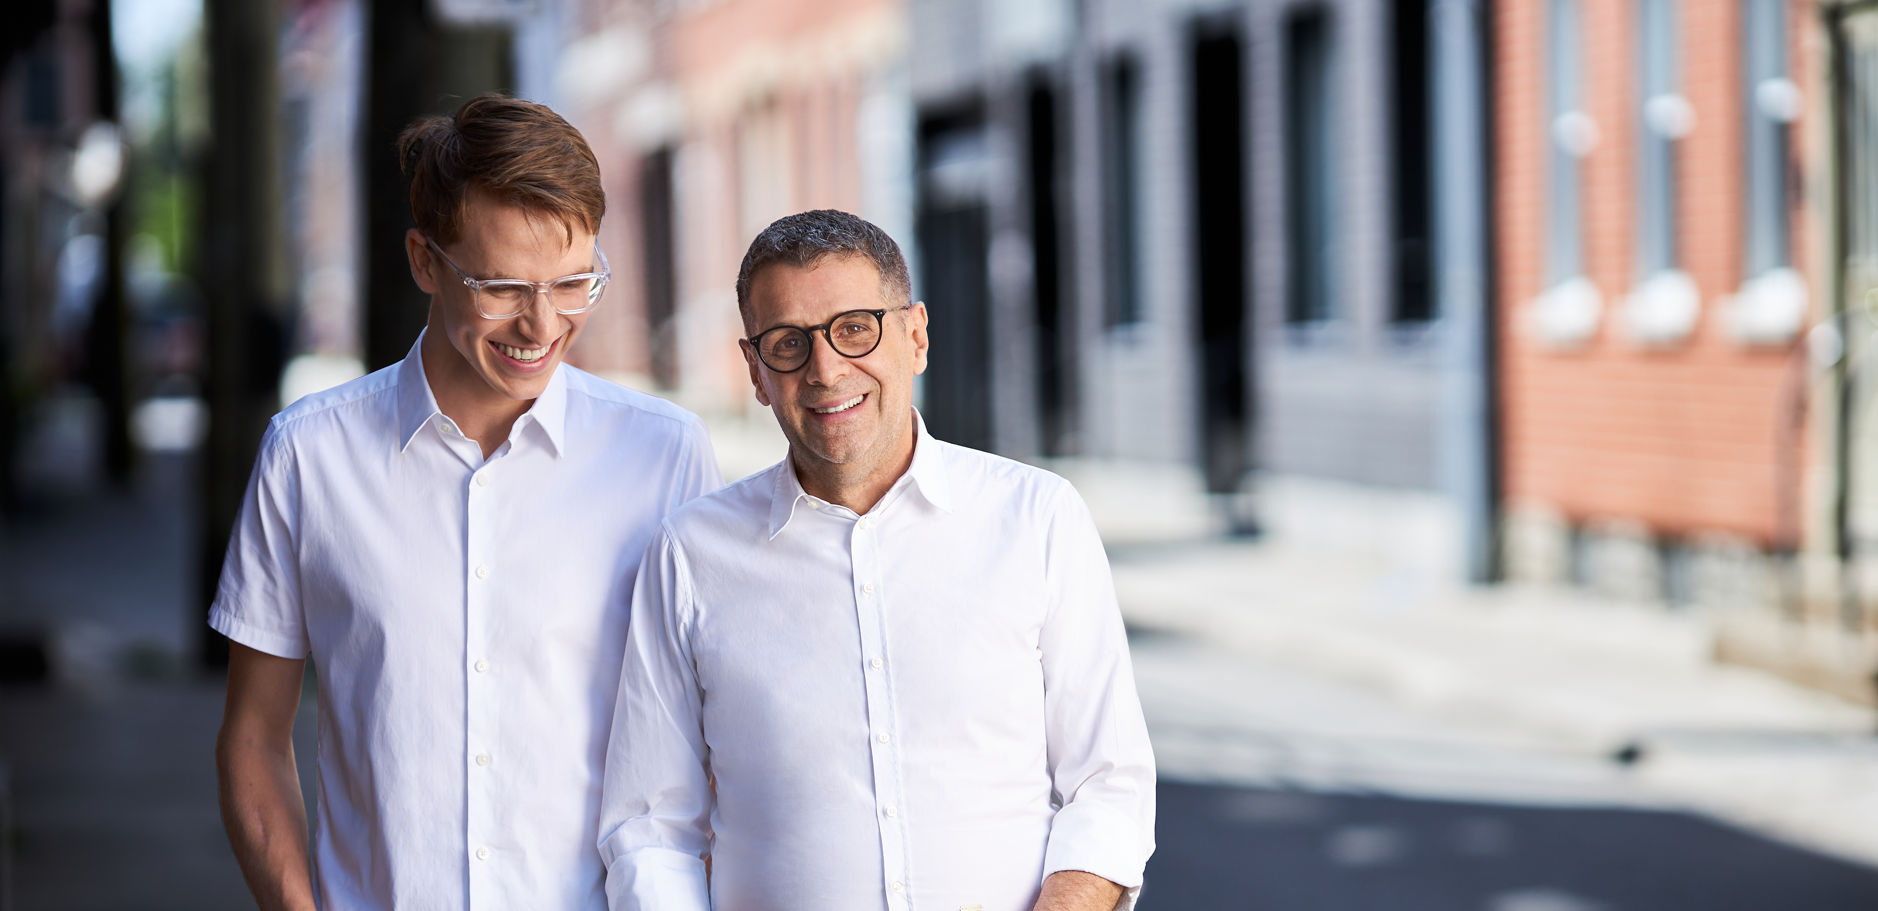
279	644
1099	839
657	879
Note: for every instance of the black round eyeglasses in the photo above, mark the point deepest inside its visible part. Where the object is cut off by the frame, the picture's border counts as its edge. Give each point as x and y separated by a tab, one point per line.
785	349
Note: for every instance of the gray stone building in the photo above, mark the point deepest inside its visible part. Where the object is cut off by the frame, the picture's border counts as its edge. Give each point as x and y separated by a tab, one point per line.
1240	238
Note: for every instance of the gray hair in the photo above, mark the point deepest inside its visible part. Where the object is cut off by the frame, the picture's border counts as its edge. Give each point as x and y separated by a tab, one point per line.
805	239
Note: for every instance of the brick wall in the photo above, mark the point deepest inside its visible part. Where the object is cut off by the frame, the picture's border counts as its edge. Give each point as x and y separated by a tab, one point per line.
1682	439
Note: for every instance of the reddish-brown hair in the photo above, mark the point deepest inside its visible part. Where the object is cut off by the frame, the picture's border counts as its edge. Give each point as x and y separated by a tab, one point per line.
521	153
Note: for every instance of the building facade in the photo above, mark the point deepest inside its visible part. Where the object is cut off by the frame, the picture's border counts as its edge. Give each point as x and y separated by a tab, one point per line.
1659	264
1685	287
1241	239
711	120
1209	243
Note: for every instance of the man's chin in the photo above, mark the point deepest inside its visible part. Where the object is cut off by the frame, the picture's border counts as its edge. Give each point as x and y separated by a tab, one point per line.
828	449
519	388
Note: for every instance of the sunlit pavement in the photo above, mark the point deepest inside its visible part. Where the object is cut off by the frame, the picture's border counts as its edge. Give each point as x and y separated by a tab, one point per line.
1624	768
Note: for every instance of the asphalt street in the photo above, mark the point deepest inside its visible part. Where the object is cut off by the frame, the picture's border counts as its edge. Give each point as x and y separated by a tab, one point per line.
1227	848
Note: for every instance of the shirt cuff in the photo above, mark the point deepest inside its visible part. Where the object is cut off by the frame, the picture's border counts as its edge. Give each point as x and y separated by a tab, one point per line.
1099	839
1129	896
282	645
657	879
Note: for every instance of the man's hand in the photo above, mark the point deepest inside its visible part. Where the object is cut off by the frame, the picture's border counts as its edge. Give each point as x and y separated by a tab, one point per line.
1074	890
261	804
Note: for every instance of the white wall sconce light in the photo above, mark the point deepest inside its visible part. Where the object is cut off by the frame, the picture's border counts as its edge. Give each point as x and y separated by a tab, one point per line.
1770	308
1663	309
1566	315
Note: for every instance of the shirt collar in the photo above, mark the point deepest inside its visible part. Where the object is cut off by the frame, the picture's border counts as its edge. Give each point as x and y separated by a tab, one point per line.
550	410
417	404
927	474
784	496
929	468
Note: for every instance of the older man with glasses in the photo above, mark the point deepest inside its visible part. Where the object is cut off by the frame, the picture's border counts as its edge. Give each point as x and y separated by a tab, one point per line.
453	541
887	673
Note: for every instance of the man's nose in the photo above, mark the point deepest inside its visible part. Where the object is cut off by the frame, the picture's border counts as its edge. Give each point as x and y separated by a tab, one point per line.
826	365
538	319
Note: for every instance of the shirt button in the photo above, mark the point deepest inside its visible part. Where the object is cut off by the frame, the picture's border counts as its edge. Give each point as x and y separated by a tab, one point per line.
864	527
482	759
897	887
875	663
884	738
892	812
481	666
482	479
815	504
867	589
482	572
483	854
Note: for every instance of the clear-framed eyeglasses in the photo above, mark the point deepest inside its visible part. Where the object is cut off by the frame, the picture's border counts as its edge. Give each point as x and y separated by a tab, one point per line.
785	349
507	298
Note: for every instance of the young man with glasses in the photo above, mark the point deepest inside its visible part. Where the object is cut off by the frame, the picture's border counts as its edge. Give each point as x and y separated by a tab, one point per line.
886	673
453	541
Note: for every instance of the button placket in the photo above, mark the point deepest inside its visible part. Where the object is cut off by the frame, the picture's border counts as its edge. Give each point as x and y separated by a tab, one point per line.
480	735
864	553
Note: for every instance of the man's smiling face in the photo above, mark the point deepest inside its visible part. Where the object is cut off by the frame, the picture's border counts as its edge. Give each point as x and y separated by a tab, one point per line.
836	410
515	357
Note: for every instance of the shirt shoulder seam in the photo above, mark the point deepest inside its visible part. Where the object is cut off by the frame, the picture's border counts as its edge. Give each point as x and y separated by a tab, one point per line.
683	418
289	416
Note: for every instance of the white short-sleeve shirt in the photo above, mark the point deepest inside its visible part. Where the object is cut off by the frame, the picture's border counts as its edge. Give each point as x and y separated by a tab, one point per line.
466	617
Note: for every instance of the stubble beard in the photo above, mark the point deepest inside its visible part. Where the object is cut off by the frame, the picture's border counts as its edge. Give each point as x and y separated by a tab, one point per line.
845	456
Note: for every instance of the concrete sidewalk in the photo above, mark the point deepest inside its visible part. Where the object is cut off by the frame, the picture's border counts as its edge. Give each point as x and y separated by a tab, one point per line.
1275	665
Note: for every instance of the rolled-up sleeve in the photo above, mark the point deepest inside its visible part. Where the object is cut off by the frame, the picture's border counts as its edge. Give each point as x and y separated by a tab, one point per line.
257	600
1101	763
655	805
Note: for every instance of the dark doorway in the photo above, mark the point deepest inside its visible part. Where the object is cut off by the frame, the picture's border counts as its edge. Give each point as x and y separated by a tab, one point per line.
1310	161
952	236
419	65
1220	241
1121	176
656	229
1414	176
1053	331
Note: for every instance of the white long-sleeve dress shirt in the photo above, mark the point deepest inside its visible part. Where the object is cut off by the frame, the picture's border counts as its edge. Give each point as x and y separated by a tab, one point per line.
467	619
878	712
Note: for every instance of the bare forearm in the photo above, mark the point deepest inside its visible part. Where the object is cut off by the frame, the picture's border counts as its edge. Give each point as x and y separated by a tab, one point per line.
260	791
266	823
1074	890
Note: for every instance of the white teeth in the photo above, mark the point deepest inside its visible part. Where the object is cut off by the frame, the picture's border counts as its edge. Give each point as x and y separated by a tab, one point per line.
522	354
841	407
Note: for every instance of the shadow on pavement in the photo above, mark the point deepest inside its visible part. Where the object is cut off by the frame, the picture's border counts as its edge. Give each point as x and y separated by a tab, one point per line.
107	725
1232	848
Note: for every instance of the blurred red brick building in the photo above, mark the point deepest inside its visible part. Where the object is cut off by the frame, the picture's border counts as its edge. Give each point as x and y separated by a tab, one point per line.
1660	255
712	120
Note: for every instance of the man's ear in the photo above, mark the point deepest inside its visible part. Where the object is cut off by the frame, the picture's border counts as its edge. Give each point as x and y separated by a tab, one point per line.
422	262
916	329
756	371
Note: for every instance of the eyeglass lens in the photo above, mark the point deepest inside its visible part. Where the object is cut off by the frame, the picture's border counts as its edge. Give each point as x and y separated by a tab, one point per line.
853	334
500	298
